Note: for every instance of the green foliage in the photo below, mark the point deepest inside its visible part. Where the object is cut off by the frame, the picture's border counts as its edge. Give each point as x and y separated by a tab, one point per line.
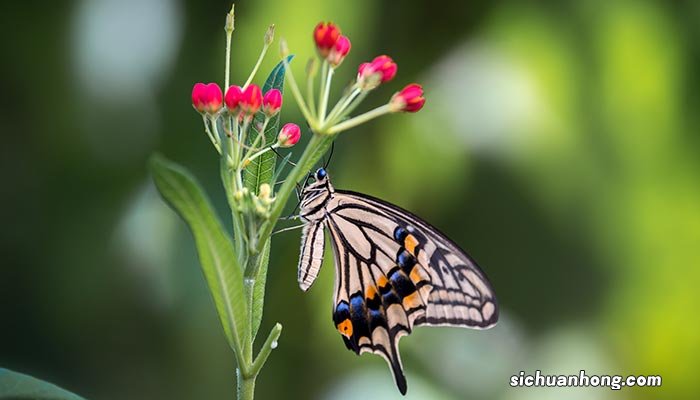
219	263
261	169
14	385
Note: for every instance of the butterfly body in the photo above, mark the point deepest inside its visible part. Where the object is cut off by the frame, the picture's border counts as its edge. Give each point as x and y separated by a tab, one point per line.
393	272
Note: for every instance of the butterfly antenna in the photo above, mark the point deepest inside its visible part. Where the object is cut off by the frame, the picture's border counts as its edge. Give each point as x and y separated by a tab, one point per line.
280	156
330	155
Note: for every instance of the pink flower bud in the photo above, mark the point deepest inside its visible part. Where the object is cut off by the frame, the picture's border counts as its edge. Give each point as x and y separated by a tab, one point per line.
233	98
325	36
272	102
381	69
289	135
409	99
339	51
207	98
251	100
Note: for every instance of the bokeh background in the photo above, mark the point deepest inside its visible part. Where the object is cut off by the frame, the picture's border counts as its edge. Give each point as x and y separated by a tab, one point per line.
559	145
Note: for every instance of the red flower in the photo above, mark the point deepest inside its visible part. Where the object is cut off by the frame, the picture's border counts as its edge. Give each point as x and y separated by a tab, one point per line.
409	99
381	69
233	98
339	51
272	102
325	36
207	98
289	135
251	100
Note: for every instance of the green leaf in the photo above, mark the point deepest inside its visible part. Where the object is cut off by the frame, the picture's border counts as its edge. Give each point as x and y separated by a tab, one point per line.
262	168
219	263
14	385
259	288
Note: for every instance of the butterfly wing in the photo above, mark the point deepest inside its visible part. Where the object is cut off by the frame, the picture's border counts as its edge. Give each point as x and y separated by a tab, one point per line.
311	254
394	272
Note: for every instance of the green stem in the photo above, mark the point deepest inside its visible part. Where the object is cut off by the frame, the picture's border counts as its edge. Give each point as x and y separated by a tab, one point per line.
296	92
214	141
246	386
342	104
267	348
326	93
360	119
257	65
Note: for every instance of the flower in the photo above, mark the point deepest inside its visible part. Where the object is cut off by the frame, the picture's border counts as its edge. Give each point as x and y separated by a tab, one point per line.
340	49
207	98
233	98
381	69
251	100
409	99
325	36
272	102
289	135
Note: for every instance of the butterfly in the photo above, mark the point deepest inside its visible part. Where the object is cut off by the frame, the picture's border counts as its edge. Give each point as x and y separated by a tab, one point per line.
394	272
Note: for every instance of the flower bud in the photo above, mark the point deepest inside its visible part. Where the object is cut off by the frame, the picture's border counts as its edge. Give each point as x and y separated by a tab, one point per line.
409	99
289	135
233	98
340	49
207	98
272	102
251	100
381	69
270	35
325	36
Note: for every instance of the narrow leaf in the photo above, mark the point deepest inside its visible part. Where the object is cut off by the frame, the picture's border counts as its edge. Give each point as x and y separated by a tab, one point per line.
261	169
216	255
259	288
14	385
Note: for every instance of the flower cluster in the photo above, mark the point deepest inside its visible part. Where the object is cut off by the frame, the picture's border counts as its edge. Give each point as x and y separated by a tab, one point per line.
332	48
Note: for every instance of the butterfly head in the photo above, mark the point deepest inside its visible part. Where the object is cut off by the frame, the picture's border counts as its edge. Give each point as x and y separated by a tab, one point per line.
315	194
321	174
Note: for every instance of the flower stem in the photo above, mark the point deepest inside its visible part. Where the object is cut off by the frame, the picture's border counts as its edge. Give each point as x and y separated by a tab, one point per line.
326	93
229	27
214	141
341	106
296	93
360	119
257	65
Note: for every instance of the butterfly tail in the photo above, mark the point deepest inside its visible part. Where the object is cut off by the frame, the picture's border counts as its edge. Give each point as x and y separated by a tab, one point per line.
393	358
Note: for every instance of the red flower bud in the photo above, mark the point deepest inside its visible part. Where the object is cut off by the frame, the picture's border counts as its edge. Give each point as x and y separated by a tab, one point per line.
233	98
207	98
251	100
289	135
381	69
325	36
339	51
409	99
272	102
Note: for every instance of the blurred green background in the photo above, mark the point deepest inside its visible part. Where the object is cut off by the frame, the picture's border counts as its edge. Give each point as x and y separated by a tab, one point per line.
559	145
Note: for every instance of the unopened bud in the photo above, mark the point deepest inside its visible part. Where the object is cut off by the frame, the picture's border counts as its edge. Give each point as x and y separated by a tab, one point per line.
230	20
270	35
284	49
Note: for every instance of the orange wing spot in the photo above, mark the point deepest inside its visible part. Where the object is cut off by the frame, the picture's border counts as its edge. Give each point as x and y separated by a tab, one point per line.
345	328
370	292
382	281
415	275
410	244
412	301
